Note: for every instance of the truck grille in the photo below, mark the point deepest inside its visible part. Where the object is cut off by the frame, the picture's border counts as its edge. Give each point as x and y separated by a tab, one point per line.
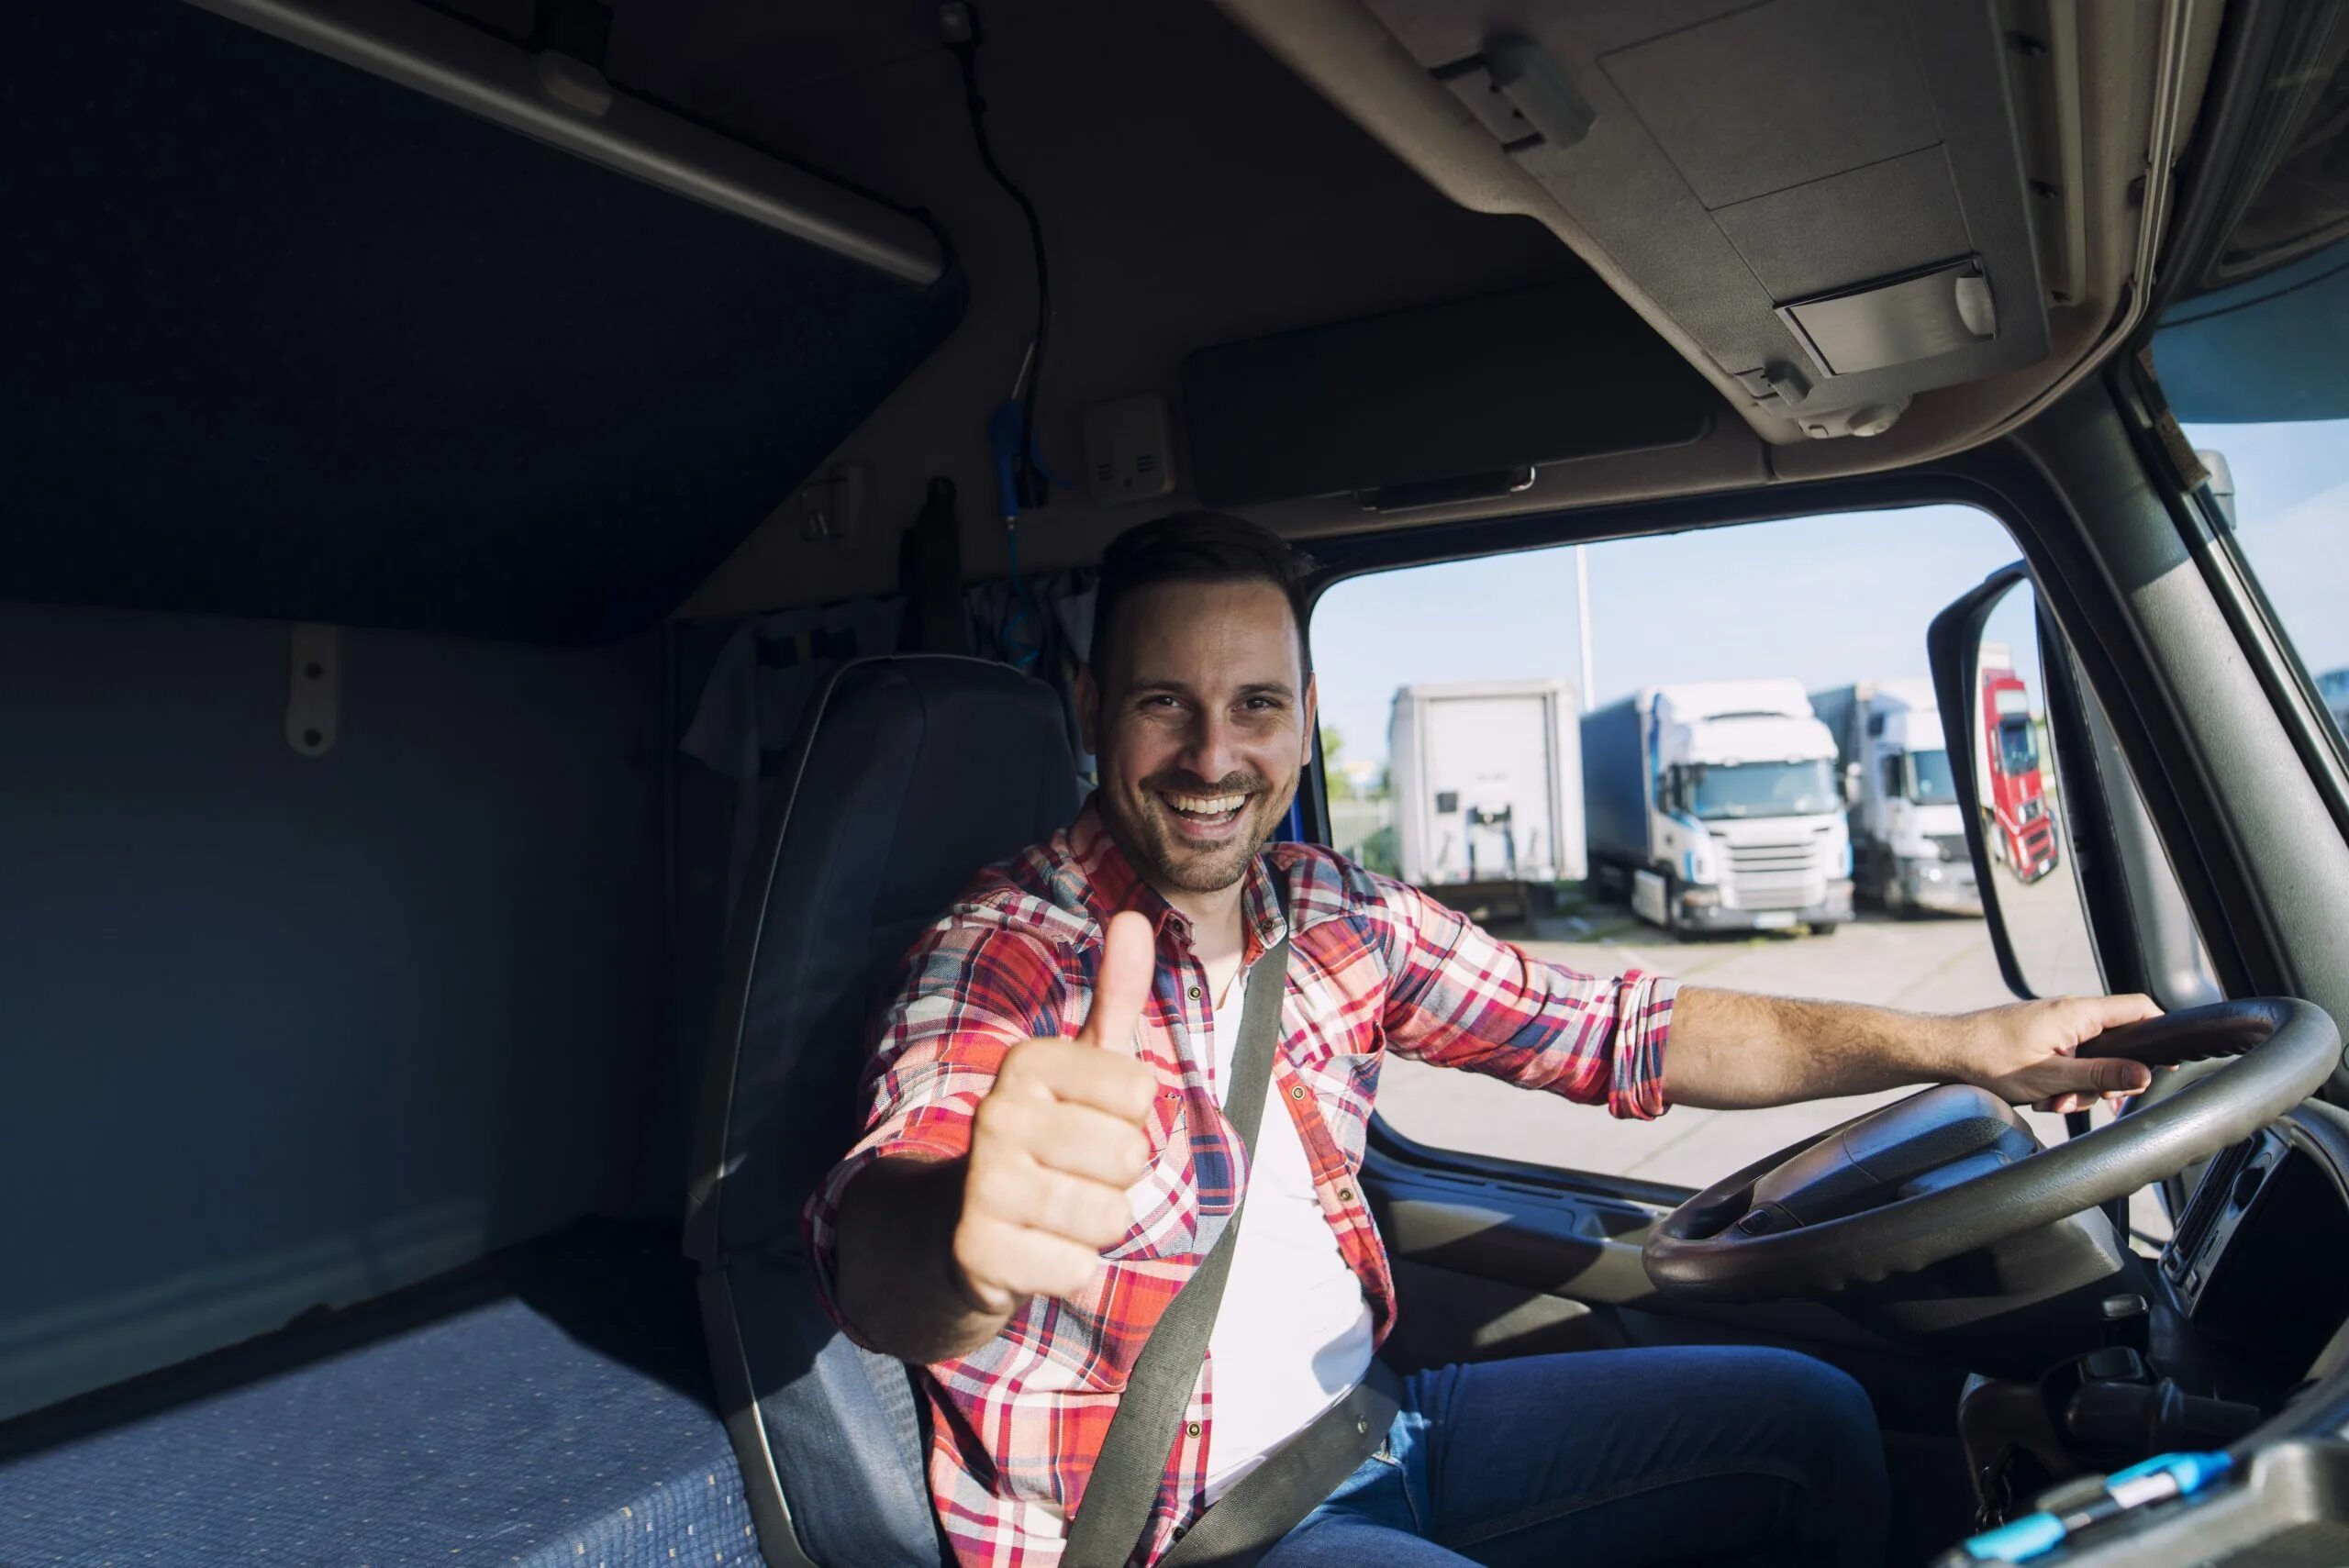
1775	876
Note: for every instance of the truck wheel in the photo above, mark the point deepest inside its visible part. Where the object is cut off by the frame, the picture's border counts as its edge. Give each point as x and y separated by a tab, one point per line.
1828	929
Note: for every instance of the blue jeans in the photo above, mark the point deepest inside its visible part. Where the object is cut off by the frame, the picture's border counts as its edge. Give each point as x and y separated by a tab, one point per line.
1702	1454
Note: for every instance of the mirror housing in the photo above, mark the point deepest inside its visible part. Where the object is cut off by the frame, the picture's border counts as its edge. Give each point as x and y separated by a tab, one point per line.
2010	795
1851	785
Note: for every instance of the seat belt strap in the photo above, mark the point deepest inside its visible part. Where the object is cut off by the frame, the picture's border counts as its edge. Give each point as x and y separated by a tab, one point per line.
1295	1478
1132	1463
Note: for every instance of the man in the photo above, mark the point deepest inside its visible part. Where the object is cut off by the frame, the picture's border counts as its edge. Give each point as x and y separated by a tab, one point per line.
1025	1204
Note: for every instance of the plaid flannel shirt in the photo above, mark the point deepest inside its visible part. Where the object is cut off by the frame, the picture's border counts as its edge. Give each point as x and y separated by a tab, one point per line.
1374	967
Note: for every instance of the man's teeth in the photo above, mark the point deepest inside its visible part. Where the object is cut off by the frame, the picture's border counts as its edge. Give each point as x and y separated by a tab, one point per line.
1207	805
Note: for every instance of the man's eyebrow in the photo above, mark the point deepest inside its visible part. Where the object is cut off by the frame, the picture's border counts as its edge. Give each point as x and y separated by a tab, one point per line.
1180	688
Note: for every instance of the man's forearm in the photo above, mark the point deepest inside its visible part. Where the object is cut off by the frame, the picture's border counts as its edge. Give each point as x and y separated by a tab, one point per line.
1732	1050
895	1265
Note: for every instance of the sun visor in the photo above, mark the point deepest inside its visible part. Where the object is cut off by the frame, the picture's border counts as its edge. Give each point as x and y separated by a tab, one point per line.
1844	203
1446	402
305	330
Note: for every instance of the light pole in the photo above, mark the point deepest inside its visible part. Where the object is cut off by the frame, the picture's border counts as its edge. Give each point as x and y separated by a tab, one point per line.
1582	617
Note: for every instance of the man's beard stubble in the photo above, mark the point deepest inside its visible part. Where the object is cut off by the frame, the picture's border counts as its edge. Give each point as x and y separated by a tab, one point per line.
1163	859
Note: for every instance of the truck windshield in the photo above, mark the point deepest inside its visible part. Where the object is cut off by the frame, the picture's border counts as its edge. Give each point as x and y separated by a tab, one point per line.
1929	781
2017	746
1761	789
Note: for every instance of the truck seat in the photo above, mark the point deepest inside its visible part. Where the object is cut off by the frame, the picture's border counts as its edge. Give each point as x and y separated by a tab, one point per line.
546	1406
908	774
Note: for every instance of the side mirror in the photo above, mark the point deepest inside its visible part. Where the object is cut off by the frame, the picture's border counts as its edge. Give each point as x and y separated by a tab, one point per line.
1851	783
1985	654
2220	483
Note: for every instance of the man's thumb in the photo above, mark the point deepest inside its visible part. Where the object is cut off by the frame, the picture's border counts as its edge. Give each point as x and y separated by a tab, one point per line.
2119	1075
1121	985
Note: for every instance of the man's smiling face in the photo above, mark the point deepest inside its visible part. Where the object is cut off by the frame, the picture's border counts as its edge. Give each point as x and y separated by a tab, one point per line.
1201	729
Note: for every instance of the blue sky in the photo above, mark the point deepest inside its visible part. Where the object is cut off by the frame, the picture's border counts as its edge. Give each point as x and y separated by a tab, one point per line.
1826	599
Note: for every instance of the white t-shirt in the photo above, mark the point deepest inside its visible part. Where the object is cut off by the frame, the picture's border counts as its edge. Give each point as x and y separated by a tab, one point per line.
1293	1333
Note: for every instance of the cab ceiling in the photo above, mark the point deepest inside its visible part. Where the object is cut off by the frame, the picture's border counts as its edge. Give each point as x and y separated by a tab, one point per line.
1192	192
1210	175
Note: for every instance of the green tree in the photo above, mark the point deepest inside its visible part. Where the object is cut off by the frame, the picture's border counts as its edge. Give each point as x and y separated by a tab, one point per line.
1333	748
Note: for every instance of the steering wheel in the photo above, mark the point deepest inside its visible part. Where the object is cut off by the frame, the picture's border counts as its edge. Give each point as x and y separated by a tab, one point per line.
1952	1169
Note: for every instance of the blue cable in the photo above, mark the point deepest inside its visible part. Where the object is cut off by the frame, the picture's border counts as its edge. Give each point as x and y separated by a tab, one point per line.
2157	1480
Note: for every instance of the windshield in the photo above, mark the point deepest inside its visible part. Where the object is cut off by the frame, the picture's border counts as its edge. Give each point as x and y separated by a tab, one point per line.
1761	789
1930	780
2017	746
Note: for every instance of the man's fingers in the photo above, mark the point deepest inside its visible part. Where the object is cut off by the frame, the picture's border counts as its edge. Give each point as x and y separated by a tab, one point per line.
1071	1070
1121	985
1016	1261
1020	1192
1066	1134
2110	1012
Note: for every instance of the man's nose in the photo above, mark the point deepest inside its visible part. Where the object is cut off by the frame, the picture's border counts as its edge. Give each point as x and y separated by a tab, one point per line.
1213	753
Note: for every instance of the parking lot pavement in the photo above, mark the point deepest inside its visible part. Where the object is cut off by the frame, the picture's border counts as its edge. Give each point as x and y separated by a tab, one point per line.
1929	964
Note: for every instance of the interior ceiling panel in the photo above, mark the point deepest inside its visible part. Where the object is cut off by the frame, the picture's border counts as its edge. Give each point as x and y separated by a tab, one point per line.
1743	162
1910	193
1777	96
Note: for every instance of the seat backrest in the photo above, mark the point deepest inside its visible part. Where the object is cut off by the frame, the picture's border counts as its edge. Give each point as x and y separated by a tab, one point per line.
909	773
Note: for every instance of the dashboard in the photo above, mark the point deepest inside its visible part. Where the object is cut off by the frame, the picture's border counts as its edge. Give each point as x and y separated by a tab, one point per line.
2259	1265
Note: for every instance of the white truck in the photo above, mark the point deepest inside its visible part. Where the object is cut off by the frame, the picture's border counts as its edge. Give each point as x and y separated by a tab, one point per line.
1485	778
1908	831
1717	806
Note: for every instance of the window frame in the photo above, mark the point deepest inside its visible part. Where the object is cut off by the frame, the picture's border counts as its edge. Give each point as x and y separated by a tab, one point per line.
2077	604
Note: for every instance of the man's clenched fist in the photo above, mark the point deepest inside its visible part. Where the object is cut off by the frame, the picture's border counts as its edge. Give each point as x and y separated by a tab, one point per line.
1058	1140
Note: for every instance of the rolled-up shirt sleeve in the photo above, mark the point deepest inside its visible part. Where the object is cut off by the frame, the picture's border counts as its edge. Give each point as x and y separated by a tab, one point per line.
1458	996
971	992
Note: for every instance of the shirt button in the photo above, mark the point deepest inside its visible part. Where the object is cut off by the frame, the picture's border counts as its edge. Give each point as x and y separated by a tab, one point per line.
1296	1090
1193	1428
1194	992
1345	1194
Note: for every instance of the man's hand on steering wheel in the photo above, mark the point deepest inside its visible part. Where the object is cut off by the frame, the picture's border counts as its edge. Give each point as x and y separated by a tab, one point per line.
2027	1051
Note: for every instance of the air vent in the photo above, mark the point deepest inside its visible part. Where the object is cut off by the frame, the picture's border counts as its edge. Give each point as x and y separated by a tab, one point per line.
2203	1210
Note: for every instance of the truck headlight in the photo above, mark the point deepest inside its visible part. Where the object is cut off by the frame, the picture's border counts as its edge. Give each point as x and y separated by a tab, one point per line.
1700	897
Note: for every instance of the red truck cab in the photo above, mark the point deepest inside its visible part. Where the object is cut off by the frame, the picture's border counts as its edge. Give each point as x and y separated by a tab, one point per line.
2019	827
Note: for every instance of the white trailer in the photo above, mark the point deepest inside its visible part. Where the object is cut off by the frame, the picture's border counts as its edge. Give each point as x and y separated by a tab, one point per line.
1908	831
1486	783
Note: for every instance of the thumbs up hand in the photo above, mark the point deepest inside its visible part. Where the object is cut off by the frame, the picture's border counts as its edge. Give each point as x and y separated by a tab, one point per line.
1057	1141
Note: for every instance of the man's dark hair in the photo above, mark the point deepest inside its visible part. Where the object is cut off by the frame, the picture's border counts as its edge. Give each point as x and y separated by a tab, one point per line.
1195	547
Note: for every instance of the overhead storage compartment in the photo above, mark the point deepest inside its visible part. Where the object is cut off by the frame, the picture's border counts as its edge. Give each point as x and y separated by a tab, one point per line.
291	339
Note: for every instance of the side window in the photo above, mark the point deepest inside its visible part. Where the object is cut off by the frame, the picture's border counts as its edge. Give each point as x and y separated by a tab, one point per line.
1760	797
2284	489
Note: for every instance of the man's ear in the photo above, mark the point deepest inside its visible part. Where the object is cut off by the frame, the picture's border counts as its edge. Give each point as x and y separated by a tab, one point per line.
1088	710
